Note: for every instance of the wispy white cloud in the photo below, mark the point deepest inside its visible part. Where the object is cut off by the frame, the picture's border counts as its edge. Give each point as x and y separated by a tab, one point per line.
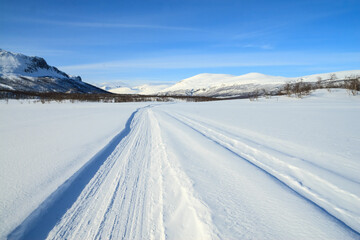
179	62
220	60
261	46
273	27
260	32
43	52
244	45
107	25
251	34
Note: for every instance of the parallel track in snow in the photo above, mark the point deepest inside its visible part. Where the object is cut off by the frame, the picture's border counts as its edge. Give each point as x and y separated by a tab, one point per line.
324	189
135	193
136	188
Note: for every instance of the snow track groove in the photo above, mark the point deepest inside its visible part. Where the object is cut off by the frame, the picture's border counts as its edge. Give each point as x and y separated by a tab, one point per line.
325	188
134	192
40	222
165	174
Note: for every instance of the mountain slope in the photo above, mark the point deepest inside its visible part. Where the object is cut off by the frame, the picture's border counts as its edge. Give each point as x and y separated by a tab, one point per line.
225	85
146	89
124	88
111	85
19	72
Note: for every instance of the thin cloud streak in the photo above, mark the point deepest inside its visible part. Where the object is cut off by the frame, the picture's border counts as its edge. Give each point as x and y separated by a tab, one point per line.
281	26
182	63
108	25
221	60
38	51
240	45
260	32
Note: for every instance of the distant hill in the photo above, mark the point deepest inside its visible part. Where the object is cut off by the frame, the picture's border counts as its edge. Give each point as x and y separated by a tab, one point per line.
124	88
19	72
225	85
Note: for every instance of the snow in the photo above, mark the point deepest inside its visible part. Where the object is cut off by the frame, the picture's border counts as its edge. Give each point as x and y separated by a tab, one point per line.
145	89
6	86
207	84
207	80
219	85
23	73
124	88
42	145
279	168
111	85
14	64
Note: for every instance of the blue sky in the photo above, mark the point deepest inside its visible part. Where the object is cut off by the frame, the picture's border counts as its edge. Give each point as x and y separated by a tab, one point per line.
139	41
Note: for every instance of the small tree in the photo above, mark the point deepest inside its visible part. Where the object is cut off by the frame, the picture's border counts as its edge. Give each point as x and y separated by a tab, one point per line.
301	89
255	95
353	85
287	88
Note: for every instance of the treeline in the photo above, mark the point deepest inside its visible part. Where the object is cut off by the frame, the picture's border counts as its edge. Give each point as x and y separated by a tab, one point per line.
300	88
297	89
96	97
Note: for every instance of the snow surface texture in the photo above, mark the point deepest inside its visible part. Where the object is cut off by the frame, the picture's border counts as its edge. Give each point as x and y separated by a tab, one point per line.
42	146
280	168
23	73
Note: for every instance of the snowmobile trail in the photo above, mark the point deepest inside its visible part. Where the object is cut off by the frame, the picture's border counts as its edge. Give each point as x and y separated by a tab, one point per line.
249	189
137	193
38	224
173	176
336	194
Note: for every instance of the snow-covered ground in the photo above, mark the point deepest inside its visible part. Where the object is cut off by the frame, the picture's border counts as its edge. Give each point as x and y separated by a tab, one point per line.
42	145
279	168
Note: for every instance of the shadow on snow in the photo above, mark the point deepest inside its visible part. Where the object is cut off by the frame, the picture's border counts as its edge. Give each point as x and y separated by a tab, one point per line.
43	219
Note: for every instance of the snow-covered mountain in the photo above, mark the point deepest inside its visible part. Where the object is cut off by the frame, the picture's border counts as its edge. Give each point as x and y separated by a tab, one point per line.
111	85
145	89
225	85
220	85
123	88
24	73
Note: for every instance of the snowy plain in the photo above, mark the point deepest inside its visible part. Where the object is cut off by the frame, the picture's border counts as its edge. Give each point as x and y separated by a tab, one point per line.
279	168
42	145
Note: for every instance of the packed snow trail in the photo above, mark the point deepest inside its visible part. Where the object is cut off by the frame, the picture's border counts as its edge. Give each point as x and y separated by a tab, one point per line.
328	188
170	176
246	202
125	199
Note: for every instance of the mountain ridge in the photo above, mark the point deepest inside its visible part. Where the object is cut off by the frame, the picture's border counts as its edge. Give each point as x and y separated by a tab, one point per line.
226	85
19	72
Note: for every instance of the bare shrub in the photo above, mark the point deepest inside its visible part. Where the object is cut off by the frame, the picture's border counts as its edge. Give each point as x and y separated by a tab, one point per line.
301	89
288	89
255	95
266	94
352	84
